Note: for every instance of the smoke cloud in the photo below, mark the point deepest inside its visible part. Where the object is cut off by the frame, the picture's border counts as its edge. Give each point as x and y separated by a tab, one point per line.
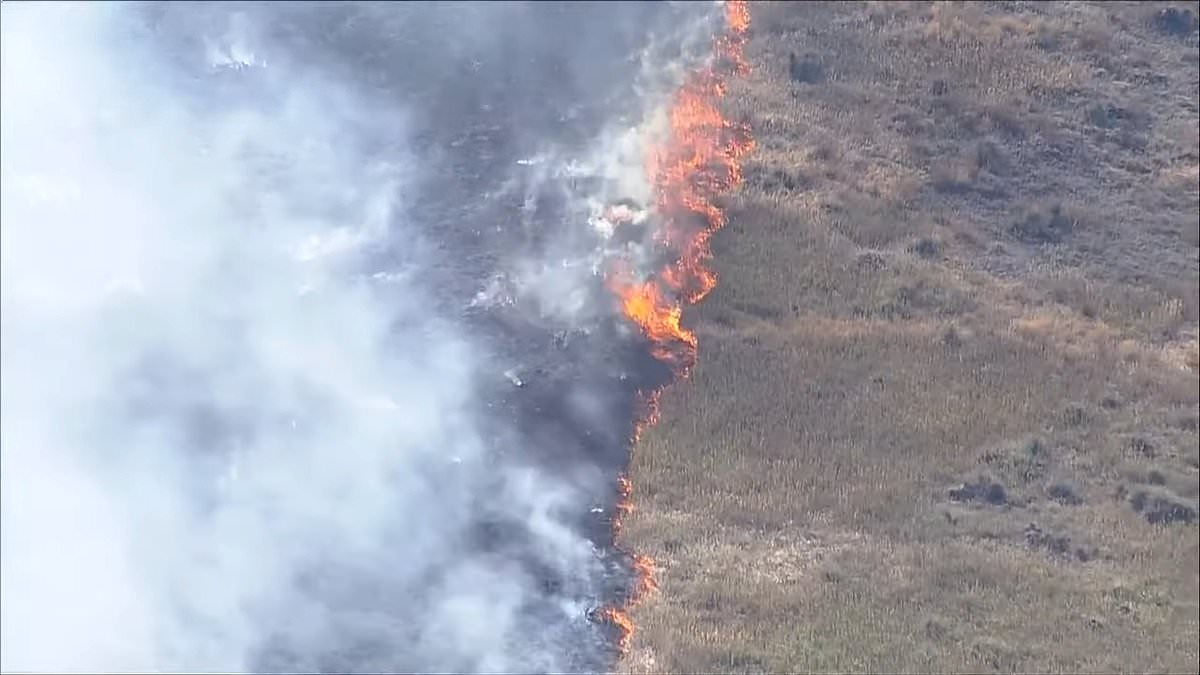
306	362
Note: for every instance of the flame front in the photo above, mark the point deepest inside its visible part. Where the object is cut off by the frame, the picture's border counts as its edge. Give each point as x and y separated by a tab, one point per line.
699	160
658	315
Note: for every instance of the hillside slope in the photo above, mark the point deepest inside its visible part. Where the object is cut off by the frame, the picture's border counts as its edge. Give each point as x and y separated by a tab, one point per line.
945	416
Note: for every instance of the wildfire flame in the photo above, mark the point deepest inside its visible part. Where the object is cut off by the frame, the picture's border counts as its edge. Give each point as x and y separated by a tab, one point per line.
700	160
658	315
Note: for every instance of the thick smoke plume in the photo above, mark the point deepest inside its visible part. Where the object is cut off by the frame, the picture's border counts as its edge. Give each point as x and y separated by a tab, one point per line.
307	359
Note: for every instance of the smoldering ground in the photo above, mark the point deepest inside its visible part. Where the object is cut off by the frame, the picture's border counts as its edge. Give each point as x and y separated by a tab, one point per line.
306	361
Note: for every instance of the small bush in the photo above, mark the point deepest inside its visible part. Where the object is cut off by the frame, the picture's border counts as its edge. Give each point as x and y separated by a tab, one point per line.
1161	507
1142	445
983	490
1076	415
989	156
805	70
953	178
1045	225
1026	461
1103	116
1065	493
1059	545
926	248
1177	21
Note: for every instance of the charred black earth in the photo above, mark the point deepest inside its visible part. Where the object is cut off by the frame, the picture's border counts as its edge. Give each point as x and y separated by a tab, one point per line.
492	99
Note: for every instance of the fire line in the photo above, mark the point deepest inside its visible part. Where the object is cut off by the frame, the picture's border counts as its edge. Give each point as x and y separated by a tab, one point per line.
699	160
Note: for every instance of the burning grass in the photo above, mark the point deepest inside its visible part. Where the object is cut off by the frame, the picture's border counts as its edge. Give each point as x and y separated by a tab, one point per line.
878	341
698	162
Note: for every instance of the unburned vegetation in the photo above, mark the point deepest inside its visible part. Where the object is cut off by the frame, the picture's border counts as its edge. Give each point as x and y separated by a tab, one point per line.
945	416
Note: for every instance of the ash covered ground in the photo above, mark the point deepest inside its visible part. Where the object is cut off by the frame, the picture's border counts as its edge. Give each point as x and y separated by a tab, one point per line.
308	361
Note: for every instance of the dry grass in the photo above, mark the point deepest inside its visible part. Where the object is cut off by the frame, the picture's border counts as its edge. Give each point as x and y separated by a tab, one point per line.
965	254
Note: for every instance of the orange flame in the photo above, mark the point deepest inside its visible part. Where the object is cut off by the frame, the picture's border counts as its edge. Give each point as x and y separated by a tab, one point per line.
647	412
644	567
624	503
700	160
643	572
658	315
624	624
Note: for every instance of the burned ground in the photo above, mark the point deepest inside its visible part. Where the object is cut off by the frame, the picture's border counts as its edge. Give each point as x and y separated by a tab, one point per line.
492	105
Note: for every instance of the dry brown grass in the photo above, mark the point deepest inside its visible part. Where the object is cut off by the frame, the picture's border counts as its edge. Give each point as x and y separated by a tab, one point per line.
965	252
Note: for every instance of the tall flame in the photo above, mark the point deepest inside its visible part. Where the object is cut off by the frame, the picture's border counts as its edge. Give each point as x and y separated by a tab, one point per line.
699	160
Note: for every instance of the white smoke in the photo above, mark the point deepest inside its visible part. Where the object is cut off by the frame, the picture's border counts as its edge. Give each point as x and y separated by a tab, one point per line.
215	422
614	167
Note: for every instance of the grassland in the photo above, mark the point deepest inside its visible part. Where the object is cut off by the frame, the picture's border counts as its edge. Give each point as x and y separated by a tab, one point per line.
946	415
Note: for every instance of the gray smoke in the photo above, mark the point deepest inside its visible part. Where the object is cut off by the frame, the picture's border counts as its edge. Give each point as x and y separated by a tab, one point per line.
278	288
